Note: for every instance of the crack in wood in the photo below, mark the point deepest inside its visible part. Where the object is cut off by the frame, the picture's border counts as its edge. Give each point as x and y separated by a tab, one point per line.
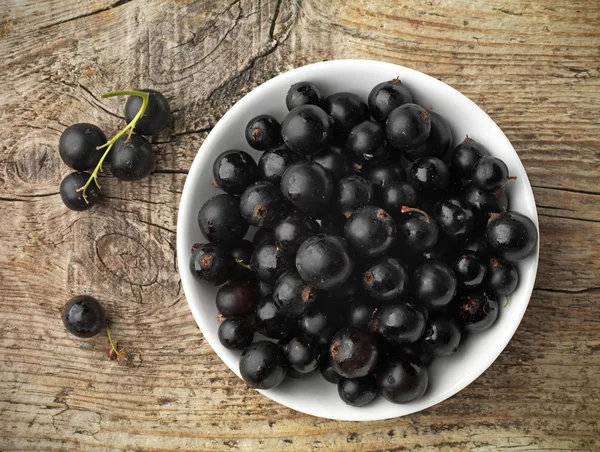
83	16
274	19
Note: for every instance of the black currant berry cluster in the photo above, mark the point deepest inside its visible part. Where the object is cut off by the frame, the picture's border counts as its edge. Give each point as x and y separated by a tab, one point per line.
379	246
83	147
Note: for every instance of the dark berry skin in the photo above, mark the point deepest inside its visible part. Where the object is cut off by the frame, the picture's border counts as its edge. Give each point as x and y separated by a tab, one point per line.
264	288
385	97
400	322
353	192
354	352
434	284
370	231
502	276
476	311
465	155
332	222
269	262
263	133
77	146
306	129
262	365
302	354
489	174
454	217
484	203
415	351
237	298
303	93
416	229
511	236
402	379
320	323
384	173
408	126
242	252
220	220
272	164
397	195
478	245
347	110
470	269
437	145
442	335
261	235
444	251
155	117
358	391
361	314
429	174
327	371
293	294
385	278
323	261
233	171
132	160
83	316
72	198
261	204
293	230
347	291
271	320
235	333
308	186
366	142
334	160
211	263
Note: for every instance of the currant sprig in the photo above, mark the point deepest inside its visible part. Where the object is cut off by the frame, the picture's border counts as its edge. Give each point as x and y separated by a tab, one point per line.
109	144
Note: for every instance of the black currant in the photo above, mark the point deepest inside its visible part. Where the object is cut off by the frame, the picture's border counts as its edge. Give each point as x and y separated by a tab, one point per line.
366	142
241	253
502	276
131	159
400	322
354	352
327	370
397	195
261	204
370	231
320	322
155	117
434	284
385	278
302	354
74	199
293	294
347	110
272	321
83	316
511	235
236	298
384	173
302	93
293	230
323	261
263	133
442	335
235	333
262	365
385	97
408	126
272	164
334	160
476	311
308	186
437	145
402	379
429	174
269	261
353	192
306	129
233	171
490	174
211	263
358	391
454	217
465	155
220	220
77	146
470	269
416	229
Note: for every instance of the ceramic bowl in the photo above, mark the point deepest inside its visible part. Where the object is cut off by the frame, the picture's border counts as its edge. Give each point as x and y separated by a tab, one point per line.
314	395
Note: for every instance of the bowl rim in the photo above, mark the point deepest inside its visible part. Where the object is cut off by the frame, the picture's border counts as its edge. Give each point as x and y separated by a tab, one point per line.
198	165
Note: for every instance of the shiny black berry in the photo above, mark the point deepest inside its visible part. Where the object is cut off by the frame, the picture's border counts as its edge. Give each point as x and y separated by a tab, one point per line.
454	217
384	173
323	261
484	203
235	333
400	322
476	311
155	117
385	97
220	220
354	352
320	322
83	316
385	278
233	171
511	235
263	133
366	142
334	160
470	269
237	298
271	320
293	230
308	186
361	313
77	146
269	261
370	231
303	93
327	370
332	222
397	195
302	354
241	253
293	294
347	110
442	335
408	126
261	204
264	288
263	365
434	284
502	276
437	145
74	199
478	245
402	379
211	263
261	235
306	129
465	155
353	192
358	391
416	229
490	174
272	164
429	174
131	159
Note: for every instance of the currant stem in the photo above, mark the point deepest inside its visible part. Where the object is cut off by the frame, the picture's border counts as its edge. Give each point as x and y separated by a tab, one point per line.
109	144
112	344
241	262
406	209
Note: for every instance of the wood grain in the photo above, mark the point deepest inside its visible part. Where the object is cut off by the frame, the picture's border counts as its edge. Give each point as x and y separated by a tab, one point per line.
533	66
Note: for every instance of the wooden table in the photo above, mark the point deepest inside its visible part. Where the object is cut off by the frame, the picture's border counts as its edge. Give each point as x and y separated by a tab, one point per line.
533	66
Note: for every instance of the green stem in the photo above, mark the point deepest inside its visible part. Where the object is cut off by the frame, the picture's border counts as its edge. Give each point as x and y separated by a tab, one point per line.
112	344
109	144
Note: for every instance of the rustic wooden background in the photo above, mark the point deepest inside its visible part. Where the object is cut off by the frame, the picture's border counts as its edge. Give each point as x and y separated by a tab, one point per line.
533	66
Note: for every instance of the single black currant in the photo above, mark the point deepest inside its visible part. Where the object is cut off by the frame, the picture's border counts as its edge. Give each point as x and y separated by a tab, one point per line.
220	220
511	235
293	230
303	93
476	311
269	261
323	261
353	192
263	365
366	142
211	263
385	97
437	145
358	391
72	198
385	278
502	276
370	231
236	298
233	171
77	146
408	126
235	333
261	204
263	133
306	129
83	316
156	115
308	186
354	352
132	158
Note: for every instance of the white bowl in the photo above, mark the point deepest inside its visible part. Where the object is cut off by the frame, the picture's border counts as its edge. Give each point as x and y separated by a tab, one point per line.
314	395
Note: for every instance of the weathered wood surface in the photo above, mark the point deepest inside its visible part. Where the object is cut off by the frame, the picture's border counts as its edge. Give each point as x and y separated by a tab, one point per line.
533	66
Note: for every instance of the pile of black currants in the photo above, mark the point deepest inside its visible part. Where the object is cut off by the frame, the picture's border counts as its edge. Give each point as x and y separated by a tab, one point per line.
380	247
83	147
